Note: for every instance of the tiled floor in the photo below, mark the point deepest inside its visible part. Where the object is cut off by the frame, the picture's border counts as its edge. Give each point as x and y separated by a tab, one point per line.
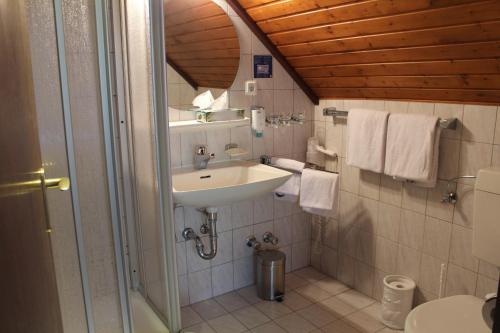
313	303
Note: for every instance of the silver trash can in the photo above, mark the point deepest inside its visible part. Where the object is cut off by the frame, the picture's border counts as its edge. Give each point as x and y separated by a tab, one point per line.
270	274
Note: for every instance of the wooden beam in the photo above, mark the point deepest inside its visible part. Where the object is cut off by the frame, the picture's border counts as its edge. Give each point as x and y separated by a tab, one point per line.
235	5
182	73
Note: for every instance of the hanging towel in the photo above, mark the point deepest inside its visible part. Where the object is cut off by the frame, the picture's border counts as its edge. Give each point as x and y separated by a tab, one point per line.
366	137
290	190
288	164
412	151
319	192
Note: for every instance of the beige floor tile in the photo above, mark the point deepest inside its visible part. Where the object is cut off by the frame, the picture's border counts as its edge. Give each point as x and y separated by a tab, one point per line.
310	274
295	301
333	286
273	310
364	322
209	309
226	324
249	294
389	330
313	293
251	317
269	328
293	281
232	301
355	299
318	314
337	307
199	328
373	310
339	326
189	317
293	323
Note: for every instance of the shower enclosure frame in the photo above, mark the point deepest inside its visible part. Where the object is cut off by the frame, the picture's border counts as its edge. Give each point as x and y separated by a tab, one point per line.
113	59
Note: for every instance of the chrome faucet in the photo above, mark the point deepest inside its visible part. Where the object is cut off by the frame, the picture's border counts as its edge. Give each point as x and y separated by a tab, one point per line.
201	157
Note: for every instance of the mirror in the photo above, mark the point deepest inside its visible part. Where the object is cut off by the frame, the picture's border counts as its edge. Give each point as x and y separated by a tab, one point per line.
201	43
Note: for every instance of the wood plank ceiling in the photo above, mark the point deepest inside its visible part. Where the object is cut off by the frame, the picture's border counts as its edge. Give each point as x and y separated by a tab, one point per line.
201	43
441	50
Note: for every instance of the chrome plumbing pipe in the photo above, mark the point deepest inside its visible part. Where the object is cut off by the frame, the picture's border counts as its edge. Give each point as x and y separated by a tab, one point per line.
211	228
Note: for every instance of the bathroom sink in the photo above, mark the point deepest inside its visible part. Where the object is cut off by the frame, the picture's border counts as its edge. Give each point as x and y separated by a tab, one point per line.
223	183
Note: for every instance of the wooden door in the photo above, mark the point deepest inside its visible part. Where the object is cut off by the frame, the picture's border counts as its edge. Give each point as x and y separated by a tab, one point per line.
28	292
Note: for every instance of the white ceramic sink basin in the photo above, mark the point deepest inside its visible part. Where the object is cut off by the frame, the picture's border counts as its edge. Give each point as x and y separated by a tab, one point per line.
224	183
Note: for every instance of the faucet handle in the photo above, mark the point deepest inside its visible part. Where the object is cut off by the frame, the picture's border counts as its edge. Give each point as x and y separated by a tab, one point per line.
200	149
268	237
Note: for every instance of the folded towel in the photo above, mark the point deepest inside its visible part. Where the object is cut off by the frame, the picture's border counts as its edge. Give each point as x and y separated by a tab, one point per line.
319	192
412	151
366	137
204	100
288	164
290	190
221	102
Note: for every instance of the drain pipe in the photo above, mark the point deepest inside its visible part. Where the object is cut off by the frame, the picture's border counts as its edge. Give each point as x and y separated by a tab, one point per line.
211	228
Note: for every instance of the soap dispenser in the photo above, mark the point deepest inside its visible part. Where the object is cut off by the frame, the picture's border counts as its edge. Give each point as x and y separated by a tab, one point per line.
258	120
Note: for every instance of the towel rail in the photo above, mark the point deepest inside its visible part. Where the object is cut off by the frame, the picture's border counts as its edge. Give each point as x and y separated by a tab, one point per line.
448	123
264	159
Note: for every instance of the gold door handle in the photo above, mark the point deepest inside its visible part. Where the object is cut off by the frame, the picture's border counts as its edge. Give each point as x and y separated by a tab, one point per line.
62	184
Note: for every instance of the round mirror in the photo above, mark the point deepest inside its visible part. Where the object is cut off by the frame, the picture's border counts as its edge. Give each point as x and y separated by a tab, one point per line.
201	43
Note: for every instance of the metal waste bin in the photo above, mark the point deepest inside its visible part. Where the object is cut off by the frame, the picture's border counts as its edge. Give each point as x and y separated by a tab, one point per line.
270	274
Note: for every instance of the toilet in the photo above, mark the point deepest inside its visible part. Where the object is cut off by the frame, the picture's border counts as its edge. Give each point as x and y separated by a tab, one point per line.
464	313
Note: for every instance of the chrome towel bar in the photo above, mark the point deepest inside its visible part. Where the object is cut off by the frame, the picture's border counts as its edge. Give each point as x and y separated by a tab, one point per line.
448	123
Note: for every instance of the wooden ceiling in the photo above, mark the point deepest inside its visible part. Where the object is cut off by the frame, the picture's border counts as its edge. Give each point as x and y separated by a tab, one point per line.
440	50
201	43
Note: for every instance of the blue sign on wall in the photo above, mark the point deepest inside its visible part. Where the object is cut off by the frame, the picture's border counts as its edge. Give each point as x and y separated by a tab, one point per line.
262	66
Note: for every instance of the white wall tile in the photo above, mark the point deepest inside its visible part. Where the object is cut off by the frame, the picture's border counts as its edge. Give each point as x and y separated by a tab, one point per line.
460	281
421	108
222	279
240	248
243	272
263	208
200	286
479	123
283	230
224	248
242	213
437	235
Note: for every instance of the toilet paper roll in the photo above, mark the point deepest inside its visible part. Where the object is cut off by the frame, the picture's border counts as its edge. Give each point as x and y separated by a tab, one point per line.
397	300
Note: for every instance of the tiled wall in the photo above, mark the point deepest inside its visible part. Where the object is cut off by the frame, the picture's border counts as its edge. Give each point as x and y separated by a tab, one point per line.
232	268
386	227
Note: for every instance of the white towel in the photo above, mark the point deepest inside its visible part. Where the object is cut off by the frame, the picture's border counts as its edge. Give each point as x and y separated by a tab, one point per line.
319	192
221	102
290	190
366	137
412	151
204	100
288	164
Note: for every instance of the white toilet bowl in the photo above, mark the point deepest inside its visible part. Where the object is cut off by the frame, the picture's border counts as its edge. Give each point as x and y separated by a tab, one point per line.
454	314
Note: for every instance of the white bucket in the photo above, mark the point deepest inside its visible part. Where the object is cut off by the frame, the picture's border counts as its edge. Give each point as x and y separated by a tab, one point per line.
397	300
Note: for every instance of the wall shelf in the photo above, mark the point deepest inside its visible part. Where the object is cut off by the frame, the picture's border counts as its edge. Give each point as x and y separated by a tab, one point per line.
194	125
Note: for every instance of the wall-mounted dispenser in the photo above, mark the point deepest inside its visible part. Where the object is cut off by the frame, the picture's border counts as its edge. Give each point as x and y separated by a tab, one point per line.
258	120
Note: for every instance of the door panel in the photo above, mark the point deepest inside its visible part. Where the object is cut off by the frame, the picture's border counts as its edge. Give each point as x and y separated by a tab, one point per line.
28	293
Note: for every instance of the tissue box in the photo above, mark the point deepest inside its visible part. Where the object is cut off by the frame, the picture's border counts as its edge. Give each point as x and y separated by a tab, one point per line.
208	116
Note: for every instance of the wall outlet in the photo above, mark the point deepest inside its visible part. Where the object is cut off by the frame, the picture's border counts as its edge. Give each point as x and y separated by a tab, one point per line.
251	88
